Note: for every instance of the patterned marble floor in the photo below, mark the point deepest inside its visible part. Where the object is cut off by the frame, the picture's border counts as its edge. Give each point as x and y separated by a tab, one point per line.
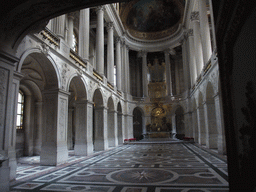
131	168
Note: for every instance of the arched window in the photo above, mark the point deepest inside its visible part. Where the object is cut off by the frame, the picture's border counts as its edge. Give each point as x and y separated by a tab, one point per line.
75	42
20	110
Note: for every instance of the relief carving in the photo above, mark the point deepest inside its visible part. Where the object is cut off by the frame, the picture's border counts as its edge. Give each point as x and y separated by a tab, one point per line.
62	118
3	85
64	72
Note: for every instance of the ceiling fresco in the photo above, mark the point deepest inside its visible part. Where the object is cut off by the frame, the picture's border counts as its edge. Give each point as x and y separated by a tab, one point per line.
152	19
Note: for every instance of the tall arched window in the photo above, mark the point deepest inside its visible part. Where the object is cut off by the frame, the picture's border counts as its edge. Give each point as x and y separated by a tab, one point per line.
75	42
20	110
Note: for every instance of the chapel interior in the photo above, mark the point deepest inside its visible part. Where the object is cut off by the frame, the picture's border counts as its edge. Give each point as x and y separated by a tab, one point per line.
128	80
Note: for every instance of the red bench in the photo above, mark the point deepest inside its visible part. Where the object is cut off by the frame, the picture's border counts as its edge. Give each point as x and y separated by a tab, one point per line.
188	138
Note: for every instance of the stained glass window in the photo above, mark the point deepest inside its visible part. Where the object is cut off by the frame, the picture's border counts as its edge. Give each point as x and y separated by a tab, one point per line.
20	110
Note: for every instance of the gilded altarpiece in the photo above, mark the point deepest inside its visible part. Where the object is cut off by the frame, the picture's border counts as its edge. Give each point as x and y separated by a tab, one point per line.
159	127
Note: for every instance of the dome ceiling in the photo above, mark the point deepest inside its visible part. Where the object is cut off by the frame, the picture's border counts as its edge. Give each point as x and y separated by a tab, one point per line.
152	19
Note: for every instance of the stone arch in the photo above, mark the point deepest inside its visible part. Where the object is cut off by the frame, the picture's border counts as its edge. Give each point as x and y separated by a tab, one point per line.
138	119
119	123
77	114
41	77
112	127
100	122
201	120
46	62
31	132
81	85
210	118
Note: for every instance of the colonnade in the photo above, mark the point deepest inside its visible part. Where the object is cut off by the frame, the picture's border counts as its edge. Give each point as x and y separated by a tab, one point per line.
198	41
117	49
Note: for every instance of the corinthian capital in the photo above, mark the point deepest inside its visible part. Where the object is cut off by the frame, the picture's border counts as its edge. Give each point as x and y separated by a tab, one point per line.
100	8
110	26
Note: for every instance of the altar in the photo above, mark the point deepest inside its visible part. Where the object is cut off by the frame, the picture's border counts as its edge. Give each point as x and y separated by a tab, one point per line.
159	134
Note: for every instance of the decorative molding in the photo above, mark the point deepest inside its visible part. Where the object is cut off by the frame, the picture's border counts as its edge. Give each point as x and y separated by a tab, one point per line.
3	91
64	72
190	32
194	16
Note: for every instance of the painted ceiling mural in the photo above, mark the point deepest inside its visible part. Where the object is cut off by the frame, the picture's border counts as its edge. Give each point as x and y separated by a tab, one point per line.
152	19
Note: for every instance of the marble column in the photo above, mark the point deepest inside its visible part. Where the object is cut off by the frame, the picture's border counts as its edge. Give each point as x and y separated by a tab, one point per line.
101	129
126	73
174	132
54	140
38	123
83	128
71	17
58	26
185	55
138	81
110	53
128	70
123	66
220	125
201	125
168	72
118	64
145	74
84	33
177	77
205	31
192	59
112	129
210	125
100	41
197	42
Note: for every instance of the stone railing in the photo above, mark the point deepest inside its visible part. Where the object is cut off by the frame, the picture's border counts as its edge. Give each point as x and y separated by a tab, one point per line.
207	67
50	36
73	55
110	86
97	75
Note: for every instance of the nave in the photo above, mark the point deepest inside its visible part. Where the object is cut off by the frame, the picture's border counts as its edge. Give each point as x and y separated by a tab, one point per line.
141	167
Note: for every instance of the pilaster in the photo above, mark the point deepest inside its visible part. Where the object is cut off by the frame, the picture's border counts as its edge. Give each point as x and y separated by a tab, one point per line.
54	142
101	129
83	136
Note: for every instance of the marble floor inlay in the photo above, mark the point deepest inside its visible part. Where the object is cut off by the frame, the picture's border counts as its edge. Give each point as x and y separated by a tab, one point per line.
131	168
